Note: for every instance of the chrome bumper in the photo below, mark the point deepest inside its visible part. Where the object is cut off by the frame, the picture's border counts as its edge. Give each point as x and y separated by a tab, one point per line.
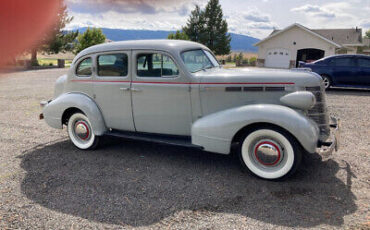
42	105
326	148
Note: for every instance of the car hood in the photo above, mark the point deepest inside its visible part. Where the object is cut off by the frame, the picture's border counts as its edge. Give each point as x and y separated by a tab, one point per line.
256	76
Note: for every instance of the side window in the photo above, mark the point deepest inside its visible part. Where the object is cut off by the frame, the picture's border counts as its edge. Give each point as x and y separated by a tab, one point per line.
113	65
84	68
363	62
344	62
155	65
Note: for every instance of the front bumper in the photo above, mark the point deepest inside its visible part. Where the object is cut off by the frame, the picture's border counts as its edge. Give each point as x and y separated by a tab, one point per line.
326	148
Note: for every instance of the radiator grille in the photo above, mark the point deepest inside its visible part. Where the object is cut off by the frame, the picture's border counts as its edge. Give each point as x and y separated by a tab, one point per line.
319	112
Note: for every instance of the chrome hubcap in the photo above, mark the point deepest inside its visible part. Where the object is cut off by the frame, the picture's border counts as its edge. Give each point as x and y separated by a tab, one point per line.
82	130
267	153
326	82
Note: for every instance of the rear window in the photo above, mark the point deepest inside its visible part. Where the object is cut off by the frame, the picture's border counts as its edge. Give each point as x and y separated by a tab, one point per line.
84	68
113	65
343	62
364	62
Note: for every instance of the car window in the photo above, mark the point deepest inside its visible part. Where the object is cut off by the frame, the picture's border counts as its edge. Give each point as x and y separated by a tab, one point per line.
156	65
196	60
84	68
344	62
113	65
364	62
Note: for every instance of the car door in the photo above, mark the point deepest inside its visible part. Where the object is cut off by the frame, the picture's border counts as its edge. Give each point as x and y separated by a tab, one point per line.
364	68
345	71
160	94
112	89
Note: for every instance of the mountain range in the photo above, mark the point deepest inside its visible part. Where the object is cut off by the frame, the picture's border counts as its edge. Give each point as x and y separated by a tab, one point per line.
238	42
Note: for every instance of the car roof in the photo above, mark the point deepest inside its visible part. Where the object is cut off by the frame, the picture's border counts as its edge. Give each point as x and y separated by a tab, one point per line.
171	46
348	55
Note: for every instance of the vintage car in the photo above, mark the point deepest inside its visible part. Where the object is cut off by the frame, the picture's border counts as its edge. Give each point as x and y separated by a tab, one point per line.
175	92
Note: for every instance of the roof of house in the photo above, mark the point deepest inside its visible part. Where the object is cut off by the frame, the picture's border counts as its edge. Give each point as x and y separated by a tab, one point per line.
339	36
342	36
277	32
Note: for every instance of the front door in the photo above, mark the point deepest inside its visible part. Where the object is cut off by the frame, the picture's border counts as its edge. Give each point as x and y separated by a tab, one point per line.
344	71
112	89
160	94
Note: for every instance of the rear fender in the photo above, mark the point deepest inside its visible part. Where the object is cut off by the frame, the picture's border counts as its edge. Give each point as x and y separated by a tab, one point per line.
53	112
215	132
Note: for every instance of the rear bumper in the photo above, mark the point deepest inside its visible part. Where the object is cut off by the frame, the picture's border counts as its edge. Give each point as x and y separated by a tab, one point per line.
326	148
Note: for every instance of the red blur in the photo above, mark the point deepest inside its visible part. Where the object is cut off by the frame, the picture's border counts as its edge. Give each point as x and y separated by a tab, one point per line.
23	23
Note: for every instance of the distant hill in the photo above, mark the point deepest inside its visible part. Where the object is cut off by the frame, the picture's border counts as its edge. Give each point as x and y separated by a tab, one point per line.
238	42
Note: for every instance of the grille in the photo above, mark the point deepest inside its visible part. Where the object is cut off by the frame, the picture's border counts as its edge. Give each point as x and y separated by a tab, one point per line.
319	112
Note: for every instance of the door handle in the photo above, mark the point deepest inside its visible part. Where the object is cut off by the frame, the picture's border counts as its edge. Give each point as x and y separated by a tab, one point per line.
136	90
124	89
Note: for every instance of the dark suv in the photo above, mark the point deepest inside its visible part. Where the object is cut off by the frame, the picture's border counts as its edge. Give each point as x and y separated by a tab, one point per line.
342	70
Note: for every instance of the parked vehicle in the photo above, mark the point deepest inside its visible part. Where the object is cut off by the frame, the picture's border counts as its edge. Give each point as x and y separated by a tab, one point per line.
342	70
176	92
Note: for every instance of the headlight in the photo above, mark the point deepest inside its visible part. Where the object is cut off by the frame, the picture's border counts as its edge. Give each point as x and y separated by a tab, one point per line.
301	100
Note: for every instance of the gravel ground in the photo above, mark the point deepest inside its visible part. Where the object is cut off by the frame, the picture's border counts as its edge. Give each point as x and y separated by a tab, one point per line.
46	183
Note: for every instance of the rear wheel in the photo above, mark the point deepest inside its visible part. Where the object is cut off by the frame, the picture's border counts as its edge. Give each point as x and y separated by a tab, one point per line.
270	153
327	81
80	132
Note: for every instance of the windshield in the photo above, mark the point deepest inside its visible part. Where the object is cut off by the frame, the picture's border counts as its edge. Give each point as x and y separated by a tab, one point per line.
196	60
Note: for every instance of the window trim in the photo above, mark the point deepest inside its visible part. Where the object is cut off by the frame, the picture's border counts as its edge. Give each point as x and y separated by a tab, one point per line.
156	52
102	54
78	65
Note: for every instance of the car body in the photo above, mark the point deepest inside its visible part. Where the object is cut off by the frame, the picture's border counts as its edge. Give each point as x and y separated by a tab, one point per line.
175	92
342	70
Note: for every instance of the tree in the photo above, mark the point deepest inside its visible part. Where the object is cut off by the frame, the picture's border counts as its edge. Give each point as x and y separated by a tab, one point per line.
178	36
218	40
92	36
367	34
56	40
209	28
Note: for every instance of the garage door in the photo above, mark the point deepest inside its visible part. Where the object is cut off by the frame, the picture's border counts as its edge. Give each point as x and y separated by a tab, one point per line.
278	58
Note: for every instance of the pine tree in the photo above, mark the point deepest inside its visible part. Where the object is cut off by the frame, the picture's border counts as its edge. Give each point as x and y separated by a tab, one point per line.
218	40
209	28
194	28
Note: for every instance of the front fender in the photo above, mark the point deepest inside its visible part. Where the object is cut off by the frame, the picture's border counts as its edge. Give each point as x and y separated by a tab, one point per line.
54	111
215	132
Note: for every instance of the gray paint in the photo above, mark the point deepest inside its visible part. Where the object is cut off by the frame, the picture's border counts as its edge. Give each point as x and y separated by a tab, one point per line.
198	104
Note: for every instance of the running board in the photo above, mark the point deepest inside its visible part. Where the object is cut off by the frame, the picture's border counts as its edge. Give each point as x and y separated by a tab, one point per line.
183	141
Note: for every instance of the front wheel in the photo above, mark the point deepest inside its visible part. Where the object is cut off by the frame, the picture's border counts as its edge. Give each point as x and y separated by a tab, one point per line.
80	132
270	153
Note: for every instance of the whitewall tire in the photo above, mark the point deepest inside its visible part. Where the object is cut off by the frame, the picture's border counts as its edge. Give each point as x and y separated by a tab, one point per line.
270	153
80	132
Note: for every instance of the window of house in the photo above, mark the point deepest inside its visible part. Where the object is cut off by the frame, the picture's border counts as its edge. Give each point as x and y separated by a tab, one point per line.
156	65
84	68
113	65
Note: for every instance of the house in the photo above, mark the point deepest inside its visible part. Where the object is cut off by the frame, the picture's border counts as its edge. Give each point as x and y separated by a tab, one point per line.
285	48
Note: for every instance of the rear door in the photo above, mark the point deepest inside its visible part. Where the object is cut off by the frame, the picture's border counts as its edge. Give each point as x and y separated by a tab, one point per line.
345	71
112	89
364	68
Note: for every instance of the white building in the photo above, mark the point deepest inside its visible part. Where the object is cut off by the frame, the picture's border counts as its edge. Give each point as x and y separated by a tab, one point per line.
284	48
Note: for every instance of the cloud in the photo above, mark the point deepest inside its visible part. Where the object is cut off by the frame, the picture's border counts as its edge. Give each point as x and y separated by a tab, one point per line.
314	10
181	7
256	16
365	23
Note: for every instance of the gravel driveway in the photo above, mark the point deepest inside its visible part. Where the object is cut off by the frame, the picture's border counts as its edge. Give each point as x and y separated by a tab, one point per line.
47	183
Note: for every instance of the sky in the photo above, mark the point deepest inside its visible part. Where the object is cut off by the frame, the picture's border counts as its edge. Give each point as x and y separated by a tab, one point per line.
256	18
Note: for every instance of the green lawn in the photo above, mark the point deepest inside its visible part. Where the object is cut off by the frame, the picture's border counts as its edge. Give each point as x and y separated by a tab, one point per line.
51	61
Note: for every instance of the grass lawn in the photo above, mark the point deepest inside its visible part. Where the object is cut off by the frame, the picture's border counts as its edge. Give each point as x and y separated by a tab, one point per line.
52	61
